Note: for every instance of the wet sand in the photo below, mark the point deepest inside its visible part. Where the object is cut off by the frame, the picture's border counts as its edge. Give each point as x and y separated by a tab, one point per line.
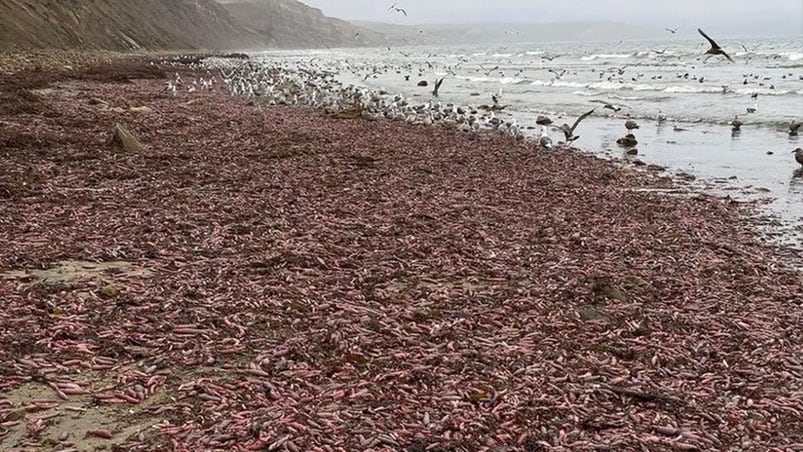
312	282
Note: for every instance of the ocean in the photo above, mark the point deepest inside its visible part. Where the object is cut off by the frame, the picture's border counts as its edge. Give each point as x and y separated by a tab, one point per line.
699	99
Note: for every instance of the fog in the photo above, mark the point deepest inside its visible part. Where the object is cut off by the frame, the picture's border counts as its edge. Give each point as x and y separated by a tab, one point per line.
734	17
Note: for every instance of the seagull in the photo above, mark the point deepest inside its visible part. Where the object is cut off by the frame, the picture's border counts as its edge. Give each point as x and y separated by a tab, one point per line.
798	155
793	128
715	48
545	141
437	86
737	124
568	132
672	30
631	125
393	7
489	71
627	141
608	105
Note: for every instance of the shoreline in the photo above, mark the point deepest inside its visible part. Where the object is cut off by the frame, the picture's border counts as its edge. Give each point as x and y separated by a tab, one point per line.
284	278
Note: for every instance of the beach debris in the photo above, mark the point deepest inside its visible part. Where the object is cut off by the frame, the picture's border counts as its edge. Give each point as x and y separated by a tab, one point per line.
142	109
121	137
543	120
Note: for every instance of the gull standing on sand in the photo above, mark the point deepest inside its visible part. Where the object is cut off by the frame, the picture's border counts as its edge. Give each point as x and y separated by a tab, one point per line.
715	48
798	155
545	141
793	128
736	124
568	132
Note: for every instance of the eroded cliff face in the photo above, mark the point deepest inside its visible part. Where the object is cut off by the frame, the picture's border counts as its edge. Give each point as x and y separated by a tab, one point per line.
172	25
289	23
120	25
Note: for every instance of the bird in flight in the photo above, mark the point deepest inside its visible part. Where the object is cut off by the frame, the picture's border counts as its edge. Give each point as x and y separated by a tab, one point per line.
715	48
438	84
568	132
672	30
488	71
395	8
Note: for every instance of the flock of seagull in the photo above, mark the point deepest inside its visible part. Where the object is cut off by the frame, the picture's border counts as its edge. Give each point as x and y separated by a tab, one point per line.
312	85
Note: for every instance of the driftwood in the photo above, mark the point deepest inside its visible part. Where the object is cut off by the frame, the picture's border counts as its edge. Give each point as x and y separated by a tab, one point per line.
121	137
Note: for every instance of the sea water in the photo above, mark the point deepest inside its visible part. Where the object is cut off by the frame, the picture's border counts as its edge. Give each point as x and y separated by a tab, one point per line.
698	96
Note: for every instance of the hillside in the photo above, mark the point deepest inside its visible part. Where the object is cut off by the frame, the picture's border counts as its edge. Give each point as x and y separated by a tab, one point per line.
119	25
124	25
289	23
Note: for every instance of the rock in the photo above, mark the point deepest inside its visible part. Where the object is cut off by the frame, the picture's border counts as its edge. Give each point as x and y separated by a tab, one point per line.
633	151
109	291
638	162
97	101
657	168
591	314
142	109
423	83
126	140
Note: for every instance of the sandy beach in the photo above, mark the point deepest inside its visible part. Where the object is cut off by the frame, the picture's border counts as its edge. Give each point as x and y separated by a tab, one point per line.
275	278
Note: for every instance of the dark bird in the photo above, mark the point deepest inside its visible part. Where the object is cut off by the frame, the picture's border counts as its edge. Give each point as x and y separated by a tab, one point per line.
715	48
672	30
798	155
568	132
394	8
627	141
438	84
736	124
631	125
793	128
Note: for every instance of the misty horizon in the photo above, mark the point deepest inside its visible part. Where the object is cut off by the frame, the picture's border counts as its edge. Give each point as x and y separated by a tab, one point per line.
743	17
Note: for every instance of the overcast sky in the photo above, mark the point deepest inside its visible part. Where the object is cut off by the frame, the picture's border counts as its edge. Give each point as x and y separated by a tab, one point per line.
737	14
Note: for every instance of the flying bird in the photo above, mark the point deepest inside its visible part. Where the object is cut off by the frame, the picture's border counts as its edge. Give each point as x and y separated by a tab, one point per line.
715	48
395	8
672	30
438	84
488	71
568	132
